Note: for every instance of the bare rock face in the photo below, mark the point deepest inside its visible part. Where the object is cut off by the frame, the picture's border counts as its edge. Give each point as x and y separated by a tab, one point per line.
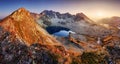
35	15
12	51
21	24
22	41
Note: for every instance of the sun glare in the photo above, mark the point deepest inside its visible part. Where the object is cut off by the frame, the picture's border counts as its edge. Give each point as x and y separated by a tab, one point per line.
100	14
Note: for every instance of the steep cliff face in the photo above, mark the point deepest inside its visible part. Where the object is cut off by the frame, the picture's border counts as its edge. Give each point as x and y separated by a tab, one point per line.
21	24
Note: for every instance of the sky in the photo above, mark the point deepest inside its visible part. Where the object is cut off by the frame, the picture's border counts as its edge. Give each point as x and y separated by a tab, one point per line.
94	9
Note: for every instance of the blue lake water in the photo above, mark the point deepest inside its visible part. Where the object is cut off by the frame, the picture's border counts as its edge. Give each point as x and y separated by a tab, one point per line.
58	31
62	33
54	29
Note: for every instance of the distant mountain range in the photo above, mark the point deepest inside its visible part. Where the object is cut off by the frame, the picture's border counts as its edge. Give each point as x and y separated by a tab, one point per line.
113	21
61	18
19	22
78	23
21	35
28	38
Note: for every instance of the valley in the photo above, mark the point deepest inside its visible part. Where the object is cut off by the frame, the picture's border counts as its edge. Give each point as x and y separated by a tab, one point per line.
55	38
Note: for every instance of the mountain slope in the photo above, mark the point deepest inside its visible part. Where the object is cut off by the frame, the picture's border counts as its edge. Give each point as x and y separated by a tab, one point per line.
82	16
20	27
113	21
78	23
23	41
21	24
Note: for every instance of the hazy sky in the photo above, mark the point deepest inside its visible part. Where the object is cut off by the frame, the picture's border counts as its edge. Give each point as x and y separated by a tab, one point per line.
92	8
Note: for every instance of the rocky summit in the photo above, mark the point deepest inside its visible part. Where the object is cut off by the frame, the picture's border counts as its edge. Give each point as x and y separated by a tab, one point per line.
21	24
23	41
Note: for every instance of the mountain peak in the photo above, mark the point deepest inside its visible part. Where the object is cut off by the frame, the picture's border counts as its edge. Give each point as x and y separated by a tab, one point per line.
22	8
20	13
83	16
21	24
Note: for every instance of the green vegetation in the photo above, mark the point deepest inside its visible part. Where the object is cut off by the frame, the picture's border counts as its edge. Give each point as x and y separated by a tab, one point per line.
55	57
92	58
76	60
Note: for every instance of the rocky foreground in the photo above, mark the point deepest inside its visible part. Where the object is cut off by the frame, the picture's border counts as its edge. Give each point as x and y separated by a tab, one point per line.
23	41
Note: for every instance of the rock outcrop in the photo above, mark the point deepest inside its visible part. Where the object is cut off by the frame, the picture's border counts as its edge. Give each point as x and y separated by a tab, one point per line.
21	24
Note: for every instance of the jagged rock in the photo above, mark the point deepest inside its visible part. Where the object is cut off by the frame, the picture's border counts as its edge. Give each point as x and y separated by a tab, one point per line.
21	24
23	41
